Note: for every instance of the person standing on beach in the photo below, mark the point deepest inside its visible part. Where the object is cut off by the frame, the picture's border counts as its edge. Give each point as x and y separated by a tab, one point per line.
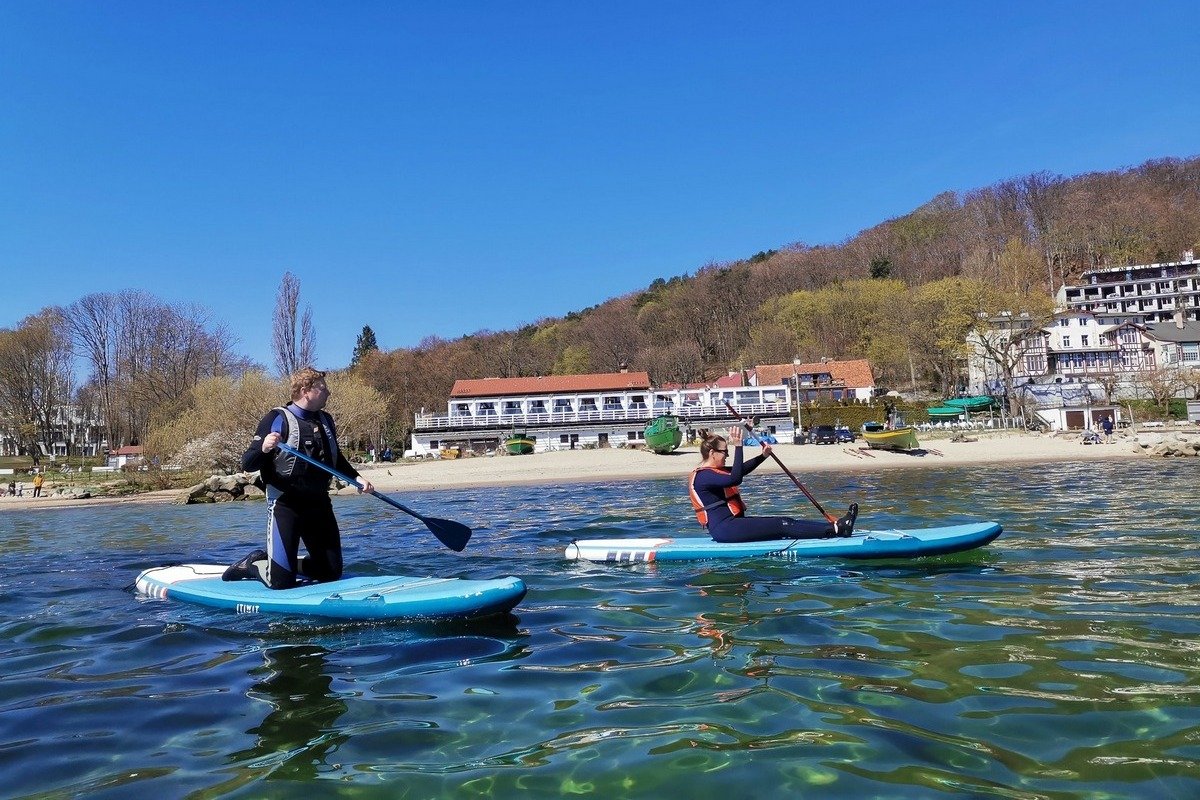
298	504
1107	425
38	480
713	489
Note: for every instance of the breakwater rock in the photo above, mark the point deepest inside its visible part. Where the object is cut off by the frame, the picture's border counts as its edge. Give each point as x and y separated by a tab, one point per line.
222	489
1168	445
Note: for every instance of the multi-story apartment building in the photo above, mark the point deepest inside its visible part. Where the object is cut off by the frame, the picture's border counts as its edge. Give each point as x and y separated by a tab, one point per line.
1152	292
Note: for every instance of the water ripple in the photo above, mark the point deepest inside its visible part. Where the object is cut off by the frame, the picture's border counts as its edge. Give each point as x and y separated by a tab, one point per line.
1060	662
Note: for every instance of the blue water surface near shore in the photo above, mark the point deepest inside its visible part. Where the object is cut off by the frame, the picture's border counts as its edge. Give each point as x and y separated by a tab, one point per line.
1062	661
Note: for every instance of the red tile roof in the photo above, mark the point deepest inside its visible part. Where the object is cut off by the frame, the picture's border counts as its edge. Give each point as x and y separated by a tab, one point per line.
551	384
729	381
854	374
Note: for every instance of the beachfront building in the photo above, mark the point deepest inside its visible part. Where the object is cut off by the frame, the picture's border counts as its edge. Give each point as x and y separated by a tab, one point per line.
564	412
1075	370
824	381
1150	292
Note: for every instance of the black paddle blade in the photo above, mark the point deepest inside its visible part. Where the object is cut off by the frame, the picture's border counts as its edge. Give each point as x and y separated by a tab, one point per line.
453	534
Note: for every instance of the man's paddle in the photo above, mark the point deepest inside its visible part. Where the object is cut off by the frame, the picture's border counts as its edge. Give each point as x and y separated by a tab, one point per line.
786	471
450	533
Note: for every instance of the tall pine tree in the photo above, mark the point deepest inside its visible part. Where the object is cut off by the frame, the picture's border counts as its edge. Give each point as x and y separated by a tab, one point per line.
363	345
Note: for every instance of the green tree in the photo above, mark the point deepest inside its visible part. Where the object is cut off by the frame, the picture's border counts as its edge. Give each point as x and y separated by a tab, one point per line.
363	345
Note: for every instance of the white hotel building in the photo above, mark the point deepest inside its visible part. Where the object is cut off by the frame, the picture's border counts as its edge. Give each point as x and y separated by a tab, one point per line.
612	409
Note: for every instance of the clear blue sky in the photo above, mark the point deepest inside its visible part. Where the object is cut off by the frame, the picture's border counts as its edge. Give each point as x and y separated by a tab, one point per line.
445	167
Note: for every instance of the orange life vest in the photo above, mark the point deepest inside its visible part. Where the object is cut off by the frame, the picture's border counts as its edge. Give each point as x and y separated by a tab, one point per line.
733	497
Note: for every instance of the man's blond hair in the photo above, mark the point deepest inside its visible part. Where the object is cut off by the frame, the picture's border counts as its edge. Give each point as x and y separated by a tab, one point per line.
304	379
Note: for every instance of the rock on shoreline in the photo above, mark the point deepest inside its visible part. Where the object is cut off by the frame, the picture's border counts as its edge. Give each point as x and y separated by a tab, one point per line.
1168	445
223	489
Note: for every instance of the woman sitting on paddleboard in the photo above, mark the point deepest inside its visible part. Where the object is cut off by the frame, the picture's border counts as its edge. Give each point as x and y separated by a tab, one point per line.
713	488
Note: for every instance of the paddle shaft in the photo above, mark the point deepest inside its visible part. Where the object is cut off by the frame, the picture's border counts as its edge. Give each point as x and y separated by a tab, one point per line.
783	467
452	534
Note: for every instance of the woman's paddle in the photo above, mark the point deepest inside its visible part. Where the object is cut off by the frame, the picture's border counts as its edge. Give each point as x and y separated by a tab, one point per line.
450	533
786	471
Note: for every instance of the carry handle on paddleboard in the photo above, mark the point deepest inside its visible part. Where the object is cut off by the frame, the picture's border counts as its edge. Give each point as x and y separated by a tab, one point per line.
786	471
450	533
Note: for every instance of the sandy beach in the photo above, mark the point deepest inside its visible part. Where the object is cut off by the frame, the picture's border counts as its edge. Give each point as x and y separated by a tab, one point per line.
575	466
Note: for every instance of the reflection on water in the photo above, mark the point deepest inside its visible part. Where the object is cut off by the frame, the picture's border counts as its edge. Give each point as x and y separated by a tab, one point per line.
297	736
1062	661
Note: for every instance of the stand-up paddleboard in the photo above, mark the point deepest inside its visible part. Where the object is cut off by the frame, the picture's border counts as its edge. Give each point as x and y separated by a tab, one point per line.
376	598
891	543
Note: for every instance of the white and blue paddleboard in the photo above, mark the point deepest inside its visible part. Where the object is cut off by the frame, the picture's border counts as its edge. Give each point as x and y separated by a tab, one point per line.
370	598
890	543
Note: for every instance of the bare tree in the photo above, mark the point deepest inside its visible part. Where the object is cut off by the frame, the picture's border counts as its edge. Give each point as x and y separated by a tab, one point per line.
93	320
35	379
295	347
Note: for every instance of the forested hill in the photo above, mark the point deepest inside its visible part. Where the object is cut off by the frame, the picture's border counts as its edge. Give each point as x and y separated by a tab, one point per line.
866	297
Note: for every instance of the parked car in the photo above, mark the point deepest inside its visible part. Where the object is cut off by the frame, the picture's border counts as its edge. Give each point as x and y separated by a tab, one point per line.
845	435
823	434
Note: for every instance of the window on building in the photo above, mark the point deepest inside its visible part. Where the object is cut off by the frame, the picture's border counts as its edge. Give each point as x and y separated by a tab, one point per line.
1190	353
1035	365
1128	336
612	403
537	406
1083	340
1066	341
1064	322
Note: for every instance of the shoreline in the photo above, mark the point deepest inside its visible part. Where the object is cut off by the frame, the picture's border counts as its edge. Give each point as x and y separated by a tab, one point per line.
619	464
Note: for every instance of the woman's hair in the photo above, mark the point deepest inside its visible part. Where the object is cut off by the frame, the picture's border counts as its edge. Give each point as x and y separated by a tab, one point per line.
710	443
304	379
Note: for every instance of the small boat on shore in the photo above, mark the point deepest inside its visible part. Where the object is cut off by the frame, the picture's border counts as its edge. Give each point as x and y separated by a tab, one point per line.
879	437
519	444
663	434
945	412
977	403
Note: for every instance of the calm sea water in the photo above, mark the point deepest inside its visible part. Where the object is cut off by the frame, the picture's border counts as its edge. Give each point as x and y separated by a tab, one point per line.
1062	661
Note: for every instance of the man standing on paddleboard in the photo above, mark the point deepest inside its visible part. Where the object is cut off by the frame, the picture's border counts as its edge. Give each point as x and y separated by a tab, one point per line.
298	504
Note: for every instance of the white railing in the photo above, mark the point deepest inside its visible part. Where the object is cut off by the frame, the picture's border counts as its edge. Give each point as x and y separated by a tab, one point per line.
639	415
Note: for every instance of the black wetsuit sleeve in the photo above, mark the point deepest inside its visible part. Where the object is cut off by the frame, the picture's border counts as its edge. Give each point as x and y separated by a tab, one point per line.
752	464
254	459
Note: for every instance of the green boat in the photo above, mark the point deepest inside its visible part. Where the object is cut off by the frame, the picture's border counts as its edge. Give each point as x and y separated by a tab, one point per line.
945	412
977	403
519	444
663	434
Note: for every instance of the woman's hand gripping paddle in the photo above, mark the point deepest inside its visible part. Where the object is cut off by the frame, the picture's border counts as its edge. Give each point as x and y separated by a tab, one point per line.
450	533
786	471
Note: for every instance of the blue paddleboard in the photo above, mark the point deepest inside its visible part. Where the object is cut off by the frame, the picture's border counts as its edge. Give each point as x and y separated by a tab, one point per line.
375	598
890	543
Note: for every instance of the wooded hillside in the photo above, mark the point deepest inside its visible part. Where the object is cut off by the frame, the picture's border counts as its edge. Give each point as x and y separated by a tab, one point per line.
875	295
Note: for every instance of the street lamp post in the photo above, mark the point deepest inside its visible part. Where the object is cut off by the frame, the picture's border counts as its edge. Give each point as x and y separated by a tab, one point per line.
796	384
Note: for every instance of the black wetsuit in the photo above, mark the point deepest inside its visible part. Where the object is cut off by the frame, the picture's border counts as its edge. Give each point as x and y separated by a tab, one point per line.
298	505
724	526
